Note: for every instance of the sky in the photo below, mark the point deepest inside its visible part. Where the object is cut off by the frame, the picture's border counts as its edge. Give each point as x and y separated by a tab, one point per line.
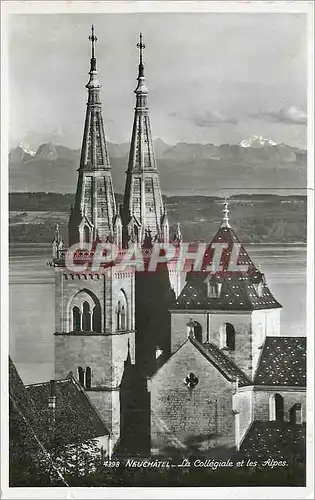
212	77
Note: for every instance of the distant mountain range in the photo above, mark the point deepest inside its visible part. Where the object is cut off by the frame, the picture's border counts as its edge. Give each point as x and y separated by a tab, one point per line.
253	165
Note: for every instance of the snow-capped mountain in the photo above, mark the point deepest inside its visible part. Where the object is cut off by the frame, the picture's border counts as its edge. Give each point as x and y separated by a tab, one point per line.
257	162
47	151
27	148
256	141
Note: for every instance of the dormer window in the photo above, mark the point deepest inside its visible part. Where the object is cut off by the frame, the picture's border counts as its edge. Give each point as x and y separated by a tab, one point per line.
214	289
258	288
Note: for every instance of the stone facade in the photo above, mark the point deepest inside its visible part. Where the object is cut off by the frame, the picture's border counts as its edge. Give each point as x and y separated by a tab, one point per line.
256	403
101	350
251	329
175	363
180	415
105	290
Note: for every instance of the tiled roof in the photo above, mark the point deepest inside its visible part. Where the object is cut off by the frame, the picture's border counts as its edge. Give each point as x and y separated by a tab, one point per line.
23	406
227	236
282	362
224	364
76	418
27	436
275	440
238	291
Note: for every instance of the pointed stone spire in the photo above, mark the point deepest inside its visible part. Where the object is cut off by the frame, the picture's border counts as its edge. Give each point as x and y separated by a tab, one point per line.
143	208
57	242
95	210
225	218
57	234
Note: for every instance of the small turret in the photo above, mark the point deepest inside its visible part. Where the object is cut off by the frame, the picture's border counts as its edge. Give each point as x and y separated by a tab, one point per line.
57	242
178	234
226	219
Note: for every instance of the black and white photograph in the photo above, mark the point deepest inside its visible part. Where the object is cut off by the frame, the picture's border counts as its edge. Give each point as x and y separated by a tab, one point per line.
157	251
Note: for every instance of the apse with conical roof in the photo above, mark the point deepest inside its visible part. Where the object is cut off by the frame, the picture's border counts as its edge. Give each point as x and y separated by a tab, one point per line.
143	210
94	215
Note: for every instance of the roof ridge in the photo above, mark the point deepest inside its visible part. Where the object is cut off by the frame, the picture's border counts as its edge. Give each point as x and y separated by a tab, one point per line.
41	384
231	361
38	440
207	354
167	360
286	337
87	399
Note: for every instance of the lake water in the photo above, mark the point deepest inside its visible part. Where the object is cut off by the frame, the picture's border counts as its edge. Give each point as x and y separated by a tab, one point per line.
32	300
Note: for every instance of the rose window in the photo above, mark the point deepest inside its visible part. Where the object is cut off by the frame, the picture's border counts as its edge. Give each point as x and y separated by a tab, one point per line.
191	380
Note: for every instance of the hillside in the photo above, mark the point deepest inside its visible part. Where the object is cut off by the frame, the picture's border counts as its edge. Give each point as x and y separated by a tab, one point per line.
260	218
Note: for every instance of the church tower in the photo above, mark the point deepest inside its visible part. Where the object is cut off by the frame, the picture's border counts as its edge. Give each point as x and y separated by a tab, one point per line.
94	214
145	223
144	213
231	305
94	309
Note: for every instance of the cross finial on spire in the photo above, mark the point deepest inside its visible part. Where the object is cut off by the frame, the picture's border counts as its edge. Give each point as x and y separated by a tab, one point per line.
225	218
141	46
93	39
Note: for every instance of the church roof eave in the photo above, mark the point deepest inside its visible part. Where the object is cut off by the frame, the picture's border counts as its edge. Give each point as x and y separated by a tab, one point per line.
217	358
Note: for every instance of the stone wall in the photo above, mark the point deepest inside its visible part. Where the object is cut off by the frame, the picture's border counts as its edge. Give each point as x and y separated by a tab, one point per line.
179	328
105	288
108	405
261	402
265	322
243	404
104	354
181	417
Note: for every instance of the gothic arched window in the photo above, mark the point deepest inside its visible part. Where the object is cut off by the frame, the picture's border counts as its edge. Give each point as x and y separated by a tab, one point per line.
85	312
276	408
81	375
76	319
122	312
86	233
118	316
123	318
198	331
296	414
88	377
96	318
86	317
279	407
230	336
